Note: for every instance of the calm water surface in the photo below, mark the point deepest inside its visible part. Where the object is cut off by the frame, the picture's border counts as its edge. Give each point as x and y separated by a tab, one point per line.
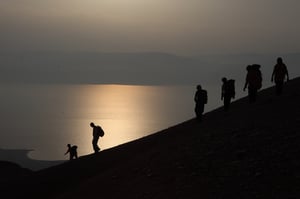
46	118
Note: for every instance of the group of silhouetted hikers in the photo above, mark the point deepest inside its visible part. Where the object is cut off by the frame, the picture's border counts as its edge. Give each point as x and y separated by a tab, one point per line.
253	83
97	133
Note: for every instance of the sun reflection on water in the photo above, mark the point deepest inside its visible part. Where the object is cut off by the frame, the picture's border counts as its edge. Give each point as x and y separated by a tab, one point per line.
61	114
124	112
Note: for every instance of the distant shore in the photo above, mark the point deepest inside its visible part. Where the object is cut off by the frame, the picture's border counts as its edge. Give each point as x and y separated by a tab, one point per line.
20	157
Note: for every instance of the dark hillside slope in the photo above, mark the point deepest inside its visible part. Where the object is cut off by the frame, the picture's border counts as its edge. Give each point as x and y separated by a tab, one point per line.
251	151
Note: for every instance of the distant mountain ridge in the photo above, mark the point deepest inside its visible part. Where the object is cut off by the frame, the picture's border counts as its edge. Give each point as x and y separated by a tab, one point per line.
153	68
123	68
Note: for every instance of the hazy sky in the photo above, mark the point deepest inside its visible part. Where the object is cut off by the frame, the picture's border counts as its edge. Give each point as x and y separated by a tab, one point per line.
175	26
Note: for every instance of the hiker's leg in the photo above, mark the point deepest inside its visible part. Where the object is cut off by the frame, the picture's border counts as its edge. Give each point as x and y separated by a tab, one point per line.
279	87
226	103
95	144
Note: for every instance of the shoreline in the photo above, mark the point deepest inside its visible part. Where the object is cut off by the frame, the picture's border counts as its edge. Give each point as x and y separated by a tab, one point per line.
20	157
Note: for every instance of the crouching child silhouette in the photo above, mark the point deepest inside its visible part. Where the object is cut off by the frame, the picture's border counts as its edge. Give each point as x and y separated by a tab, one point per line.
72	150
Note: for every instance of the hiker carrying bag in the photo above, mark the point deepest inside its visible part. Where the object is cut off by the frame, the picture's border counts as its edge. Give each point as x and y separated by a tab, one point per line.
100	131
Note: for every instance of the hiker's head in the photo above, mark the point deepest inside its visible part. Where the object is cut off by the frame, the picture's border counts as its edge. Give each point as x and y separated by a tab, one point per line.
69	145
92	124
199	87
224	79
279	60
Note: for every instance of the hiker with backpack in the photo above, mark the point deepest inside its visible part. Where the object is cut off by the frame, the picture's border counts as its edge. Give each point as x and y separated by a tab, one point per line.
279	73
200	99
72	150
228	92
253	81
97	132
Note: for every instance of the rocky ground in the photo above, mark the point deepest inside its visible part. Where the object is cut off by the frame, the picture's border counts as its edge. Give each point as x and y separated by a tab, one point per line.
251	151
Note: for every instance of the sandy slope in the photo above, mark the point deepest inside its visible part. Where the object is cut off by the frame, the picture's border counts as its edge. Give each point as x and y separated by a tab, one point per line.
252	151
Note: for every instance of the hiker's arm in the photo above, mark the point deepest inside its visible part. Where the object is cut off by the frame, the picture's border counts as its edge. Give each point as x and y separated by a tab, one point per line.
222	93
246	84
272	78
196	97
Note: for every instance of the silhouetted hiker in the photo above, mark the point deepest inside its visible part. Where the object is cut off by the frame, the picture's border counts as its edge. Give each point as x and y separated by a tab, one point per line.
97	132
253	81
200	99
228	92
279	73
72	150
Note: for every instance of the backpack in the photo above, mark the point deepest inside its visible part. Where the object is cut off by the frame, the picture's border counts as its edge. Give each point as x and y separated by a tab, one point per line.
230	88
255	77
204	96
100	131
74	148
